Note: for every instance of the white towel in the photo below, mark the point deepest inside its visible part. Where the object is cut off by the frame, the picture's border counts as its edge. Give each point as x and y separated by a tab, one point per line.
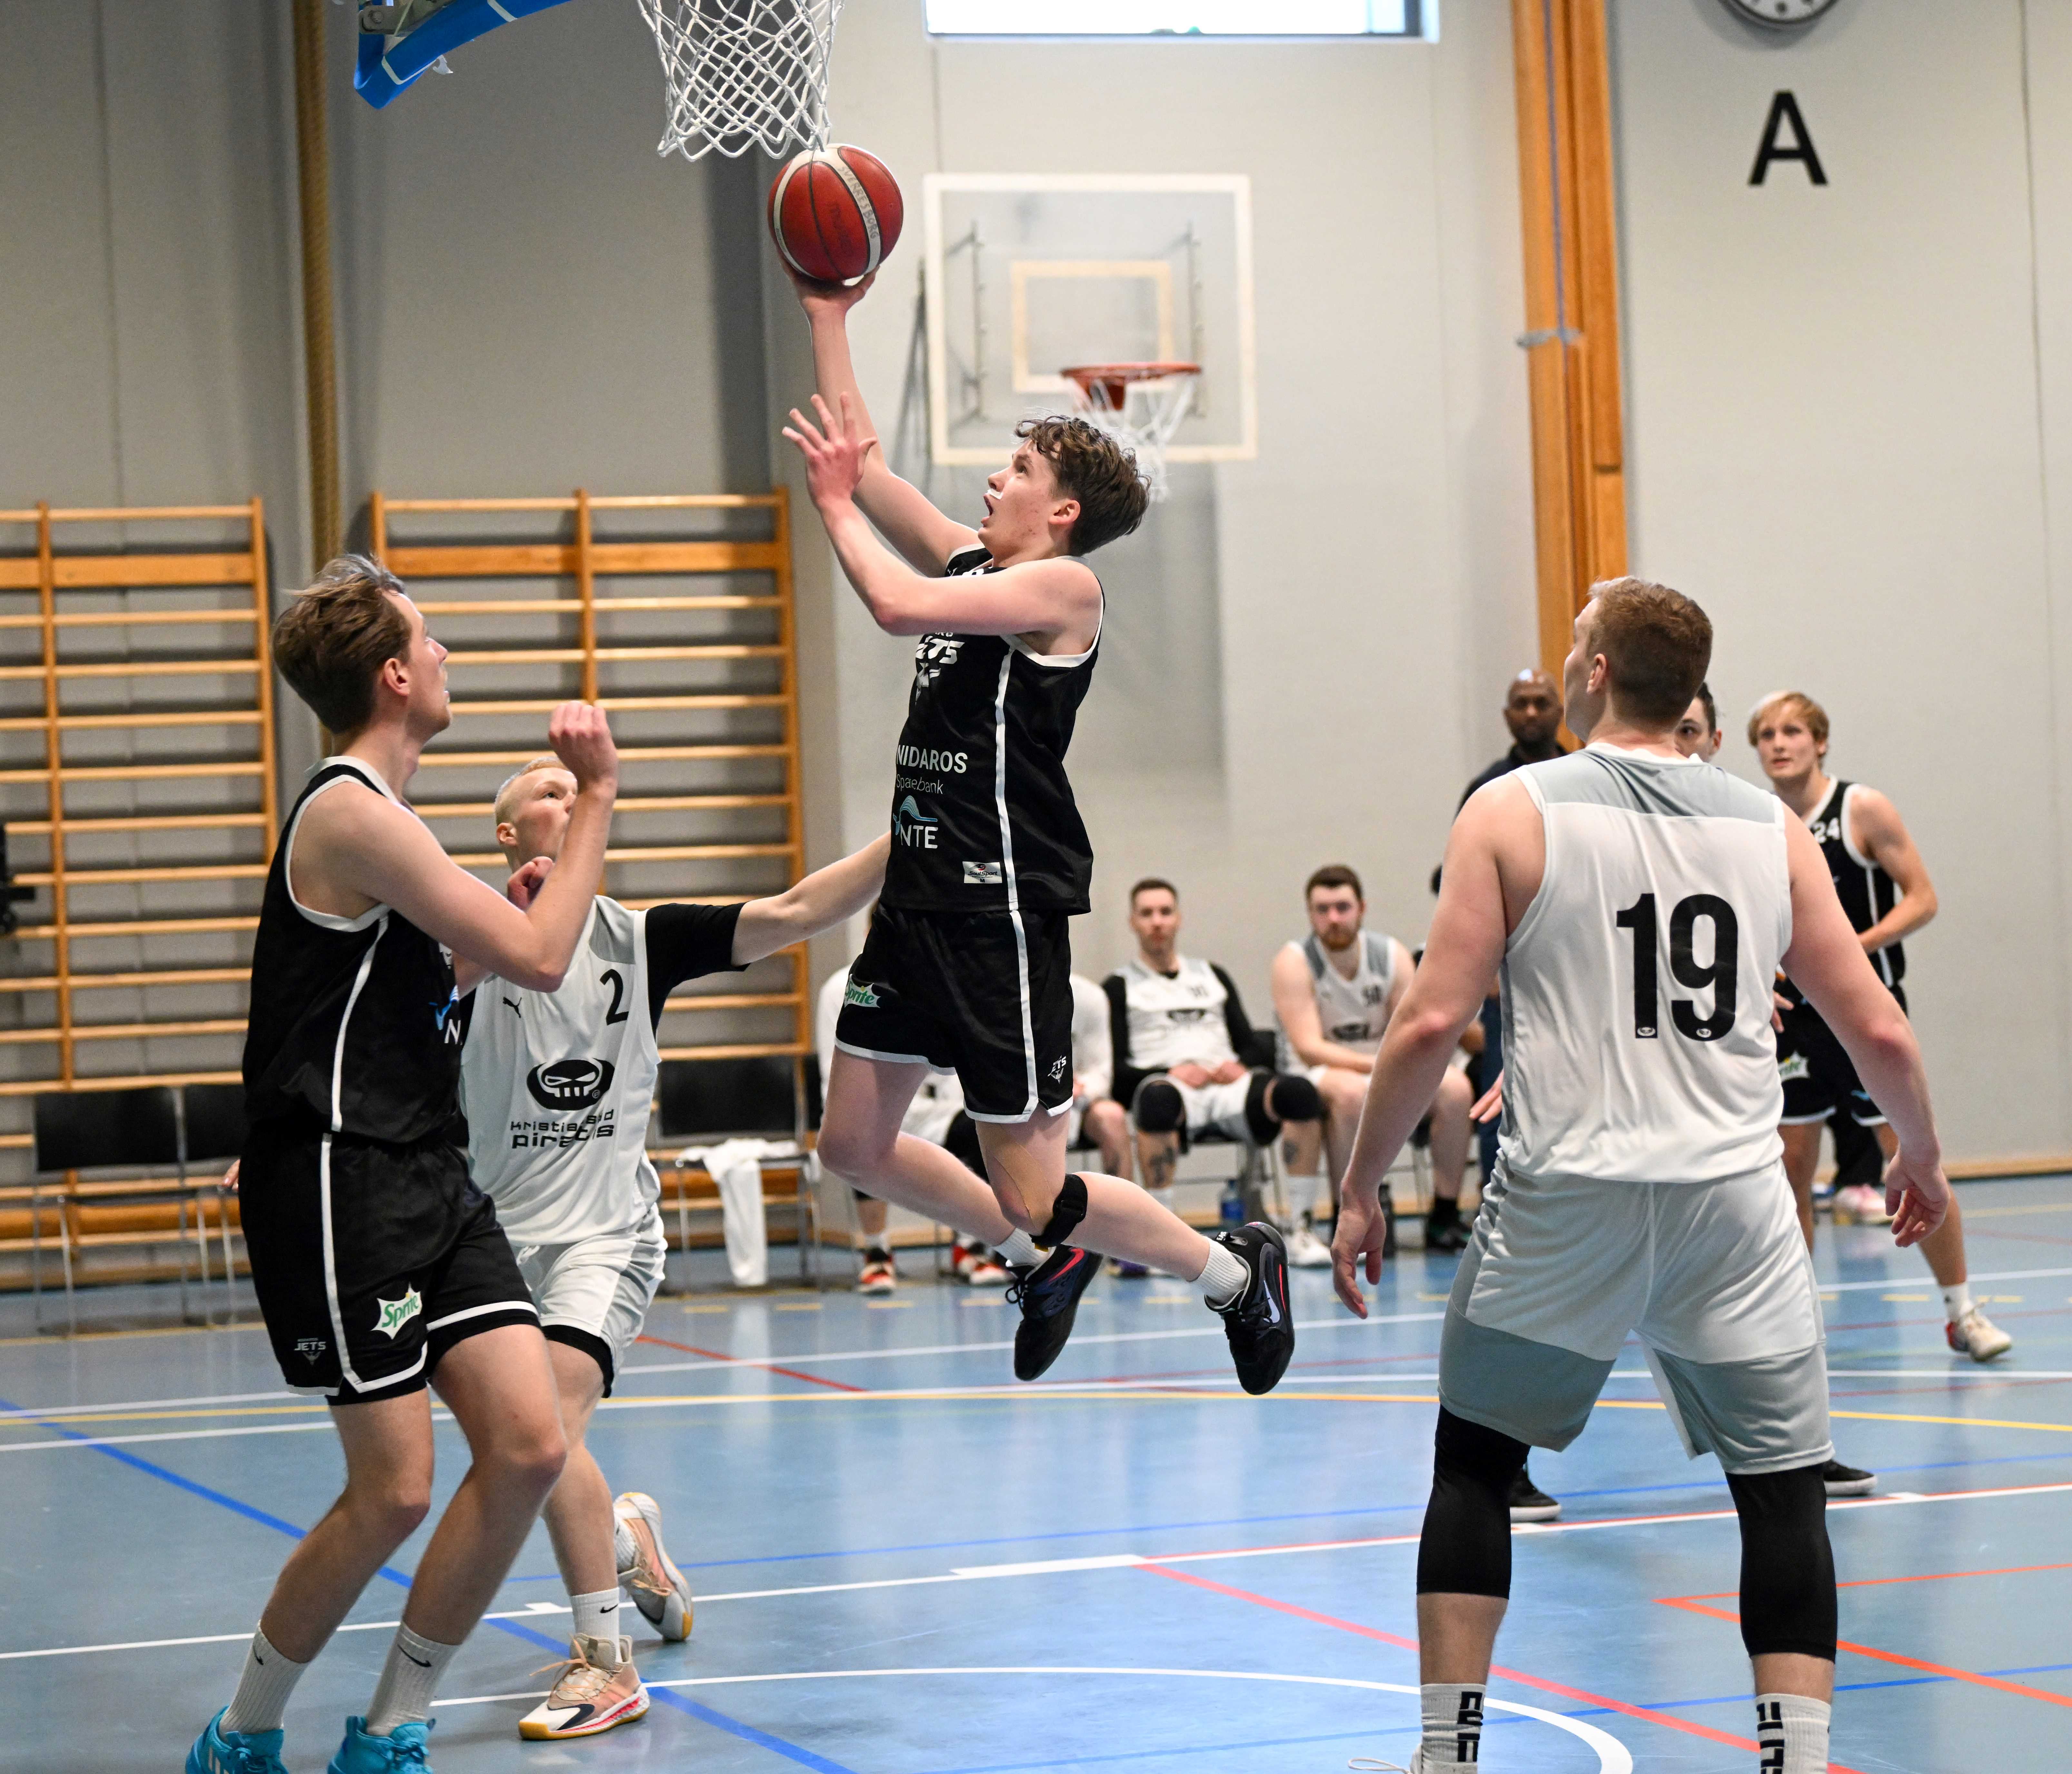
736	1166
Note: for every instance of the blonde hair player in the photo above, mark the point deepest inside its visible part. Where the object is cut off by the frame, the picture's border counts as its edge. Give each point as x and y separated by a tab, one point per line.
968	966
1884	887
557	1083
1639	903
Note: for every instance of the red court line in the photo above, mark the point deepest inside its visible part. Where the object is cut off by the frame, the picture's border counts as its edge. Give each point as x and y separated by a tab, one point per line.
1873	1583
1646	1713
742	1360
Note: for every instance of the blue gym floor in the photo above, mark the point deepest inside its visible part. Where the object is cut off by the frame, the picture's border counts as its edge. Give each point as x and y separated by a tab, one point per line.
908	1565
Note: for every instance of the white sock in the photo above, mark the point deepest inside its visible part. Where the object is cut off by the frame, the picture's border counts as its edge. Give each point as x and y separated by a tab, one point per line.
1310	1189
403	1696
1019	1251
625	1549
1224	1276
1452	1715
263	1690
1791	1731
597	1614
1957	1300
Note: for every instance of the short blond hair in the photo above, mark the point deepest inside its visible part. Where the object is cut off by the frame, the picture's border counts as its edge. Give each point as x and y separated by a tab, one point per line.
506	798
1795	702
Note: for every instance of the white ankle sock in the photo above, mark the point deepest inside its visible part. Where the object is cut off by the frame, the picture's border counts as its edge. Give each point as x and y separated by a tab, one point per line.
1453	1716
1309	1191
625	1549
1791	1731
263	1690
1224	1276
403	1696
597	1614
1019	1251
1957	1300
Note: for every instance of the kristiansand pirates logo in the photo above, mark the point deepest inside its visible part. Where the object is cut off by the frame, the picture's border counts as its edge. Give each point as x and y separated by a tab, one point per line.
569	1083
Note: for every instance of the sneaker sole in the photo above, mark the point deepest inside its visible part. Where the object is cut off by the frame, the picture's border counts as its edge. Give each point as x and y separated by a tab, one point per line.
674	1624
1851	1487
635	1705
1531	1512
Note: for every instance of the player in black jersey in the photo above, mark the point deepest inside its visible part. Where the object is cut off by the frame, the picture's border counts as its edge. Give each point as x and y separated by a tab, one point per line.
1884	887
969	963
380	1267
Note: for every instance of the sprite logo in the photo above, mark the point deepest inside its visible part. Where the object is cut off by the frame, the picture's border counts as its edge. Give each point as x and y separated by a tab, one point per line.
392	1314
857	993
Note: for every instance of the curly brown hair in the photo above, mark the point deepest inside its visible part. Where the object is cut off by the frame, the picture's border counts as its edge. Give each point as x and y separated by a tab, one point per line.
334	639
1096	469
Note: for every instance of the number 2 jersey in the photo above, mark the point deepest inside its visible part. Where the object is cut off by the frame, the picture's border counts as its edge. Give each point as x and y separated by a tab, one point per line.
1637	1038
983	817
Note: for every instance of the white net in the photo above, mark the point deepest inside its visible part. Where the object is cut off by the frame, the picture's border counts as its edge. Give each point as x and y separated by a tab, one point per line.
1141	409
744	74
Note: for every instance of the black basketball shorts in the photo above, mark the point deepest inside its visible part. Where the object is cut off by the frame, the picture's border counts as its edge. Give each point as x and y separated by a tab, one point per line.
372	1260
1818	1074
985	994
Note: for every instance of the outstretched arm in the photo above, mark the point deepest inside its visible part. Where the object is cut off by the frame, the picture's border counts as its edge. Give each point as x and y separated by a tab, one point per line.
826	897
922	535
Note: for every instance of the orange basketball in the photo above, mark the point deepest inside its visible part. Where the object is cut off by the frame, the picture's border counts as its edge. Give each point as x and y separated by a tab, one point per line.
834	213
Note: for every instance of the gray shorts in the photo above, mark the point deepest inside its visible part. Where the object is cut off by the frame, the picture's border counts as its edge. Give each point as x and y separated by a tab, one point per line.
594	1295
1714	1278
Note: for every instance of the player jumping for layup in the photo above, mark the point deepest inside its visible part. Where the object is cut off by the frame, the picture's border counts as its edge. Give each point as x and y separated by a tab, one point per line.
968	964
1639	903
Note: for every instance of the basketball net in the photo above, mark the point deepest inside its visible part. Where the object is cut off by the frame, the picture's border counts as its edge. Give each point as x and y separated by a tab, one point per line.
743	74
1140	405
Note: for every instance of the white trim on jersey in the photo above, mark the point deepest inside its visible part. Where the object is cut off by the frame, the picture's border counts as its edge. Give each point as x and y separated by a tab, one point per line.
345	1022
1880	958
1013	890
432	1325
329	920
842	1046
1062	661
330	1286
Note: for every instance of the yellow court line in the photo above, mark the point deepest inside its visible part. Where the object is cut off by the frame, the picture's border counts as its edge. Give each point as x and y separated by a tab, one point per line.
2000	1213
1958	1422
28	1420
50	1340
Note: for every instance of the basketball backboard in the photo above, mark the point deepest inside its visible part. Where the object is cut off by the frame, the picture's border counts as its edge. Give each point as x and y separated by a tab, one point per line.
1028	273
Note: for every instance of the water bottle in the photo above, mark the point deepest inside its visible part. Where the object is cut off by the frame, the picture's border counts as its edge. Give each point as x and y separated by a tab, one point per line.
1231	1207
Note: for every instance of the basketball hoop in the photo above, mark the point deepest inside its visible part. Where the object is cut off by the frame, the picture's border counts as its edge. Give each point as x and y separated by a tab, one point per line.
744	74
1140	405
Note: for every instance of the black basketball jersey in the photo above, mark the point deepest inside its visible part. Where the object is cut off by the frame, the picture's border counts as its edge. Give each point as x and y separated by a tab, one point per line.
352	1027
983	817
1866	891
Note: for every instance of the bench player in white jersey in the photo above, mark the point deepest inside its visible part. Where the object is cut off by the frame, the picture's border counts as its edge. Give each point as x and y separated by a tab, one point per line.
557	1086
1884	887
1334	993
1639	903
969	962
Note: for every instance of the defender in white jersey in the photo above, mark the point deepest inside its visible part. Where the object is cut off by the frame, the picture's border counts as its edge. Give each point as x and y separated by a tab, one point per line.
1334	993
557	1087
1639	903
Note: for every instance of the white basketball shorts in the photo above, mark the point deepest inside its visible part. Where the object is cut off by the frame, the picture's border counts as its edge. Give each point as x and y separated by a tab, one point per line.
594	1295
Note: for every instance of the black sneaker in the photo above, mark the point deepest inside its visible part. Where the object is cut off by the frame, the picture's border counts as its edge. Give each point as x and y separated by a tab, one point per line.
1387	1230
1445	1232
1529	1503
1840	1481
1049	1297
1256	1323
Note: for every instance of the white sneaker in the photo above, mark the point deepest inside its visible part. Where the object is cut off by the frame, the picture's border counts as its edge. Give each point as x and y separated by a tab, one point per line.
586	1696
1977	1336
1306	1250
657	1587
1860	1204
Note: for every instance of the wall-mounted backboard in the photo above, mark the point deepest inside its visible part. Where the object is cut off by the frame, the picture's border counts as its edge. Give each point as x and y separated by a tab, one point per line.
1028	273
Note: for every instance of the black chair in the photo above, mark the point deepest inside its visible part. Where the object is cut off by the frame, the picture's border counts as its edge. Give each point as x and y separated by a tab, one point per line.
107	1129
212	1129
763	1097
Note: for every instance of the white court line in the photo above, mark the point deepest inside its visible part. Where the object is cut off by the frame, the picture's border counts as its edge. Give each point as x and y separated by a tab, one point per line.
2001	1274
965	1573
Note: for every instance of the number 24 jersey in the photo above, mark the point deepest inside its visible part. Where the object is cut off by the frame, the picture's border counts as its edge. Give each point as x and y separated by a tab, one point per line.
1636	986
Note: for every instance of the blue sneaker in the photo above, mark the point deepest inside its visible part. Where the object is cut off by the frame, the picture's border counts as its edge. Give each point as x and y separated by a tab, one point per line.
361	1753
220	1751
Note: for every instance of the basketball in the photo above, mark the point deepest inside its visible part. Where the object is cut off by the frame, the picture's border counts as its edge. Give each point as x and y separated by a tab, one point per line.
834	213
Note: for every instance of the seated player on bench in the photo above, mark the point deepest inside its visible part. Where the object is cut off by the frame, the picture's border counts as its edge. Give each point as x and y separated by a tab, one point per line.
557	1086
1178	1028
1334	993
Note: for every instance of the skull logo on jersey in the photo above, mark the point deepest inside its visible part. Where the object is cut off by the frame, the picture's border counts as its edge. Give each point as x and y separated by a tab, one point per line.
935	654
569	1083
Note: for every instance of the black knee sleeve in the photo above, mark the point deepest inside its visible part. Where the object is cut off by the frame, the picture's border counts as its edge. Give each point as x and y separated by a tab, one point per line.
1159	1107
1071	1210
1294	1099
1787	1566
1465	1546
960	1141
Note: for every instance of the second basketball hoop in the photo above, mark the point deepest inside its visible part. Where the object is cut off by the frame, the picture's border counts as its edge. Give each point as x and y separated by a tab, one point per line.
1141	403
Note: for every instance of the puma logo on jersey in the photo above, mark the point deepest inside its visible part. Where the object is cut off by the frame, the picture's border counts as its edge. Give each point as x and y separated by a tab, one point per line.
391	1314
935	654
515	1004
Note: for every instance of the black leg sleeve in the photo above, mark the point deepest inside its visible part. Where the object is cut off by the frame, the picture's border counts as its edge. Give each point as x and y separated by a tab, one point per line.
1465	1547
1787	1566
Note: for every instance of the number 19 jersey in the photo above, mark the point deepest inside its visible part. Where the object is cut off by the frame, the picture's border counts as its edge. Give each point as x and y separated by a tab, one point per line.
1636	986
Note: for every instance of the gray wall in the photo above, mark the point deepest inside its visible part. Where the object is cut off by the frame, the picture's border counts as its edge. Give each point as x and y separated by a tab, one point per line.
1849	440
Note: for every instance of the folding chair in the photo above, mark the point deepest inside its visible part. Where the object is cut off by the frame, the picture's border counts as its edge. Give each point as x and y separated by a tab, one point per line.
212	1129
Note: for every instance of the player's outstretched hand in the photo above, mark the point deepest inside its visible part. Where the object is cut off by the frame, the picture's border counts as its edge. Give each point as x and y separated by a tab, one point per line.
230	1175
1363	1228
835	449
1917	1195
819	298
525	879
582	739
